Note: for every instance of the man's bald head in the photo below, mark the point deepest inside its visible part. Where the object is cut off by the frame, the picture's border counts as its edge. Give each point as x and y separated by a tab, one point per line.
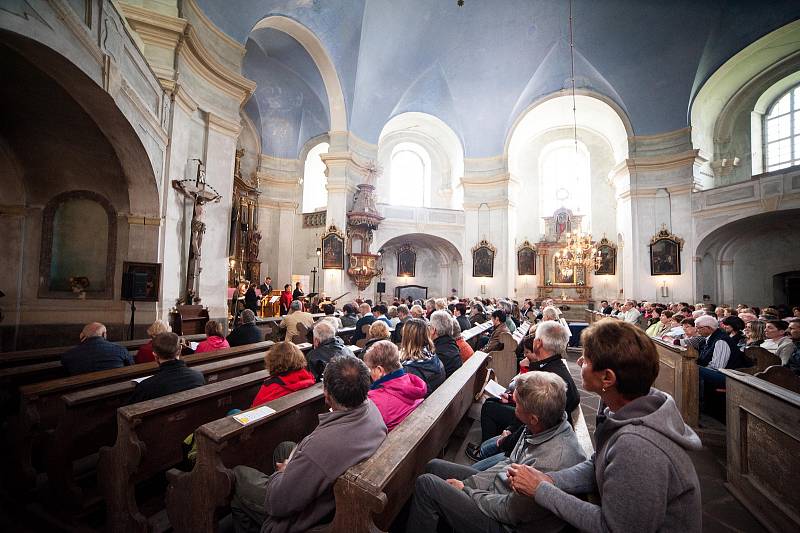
95	329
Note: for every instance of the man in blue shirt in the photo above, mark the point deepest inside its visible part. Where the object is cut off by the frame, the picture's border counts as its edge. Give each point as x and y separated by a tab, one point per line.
95	352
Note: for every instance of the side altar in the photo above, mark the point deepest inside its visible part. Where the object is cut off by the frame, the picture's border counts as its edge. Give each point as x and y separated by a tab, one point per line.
565	259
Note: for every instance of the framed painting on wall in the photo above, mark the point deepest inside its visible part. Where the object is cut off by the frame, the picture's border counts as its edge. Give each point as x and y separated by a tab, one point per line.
333	249
526	259
665	253
607	251
483	260
406	261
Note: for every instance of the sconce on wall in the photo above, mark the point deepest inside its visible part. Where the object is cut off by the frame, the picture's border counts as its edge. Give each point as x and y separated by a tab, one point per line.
664	289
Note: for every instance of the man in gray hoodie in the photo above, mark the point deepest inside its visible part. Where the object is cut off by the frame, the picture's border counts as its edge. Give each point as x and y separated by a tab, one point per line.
471	500
299	495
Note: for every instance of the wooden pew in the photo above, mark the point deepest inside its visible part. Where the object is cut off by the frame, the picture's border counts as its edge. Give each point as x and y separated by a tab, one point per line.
370	494
87	420
679	377
782	377
471	335
763	442
504	362
42	355
149	440
41	405
196	499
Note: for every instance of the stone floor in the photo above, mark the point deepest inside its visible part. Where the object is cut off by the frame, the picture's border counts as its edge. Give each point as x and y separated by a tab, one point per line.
722	513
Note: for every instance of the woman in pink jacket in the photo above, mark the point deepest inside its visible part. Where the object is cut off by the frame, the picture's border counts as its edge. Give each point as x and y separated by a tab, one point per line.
395	392
215	338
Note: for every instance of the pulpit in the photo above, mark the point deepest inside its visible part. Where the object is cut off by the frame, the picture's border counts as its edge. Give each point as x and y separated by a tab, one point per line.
189	319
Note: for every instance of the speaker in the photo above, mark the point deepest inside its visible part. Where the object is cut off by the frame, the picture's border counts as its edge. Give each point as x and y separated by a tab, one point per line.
127	285
134	285
381	287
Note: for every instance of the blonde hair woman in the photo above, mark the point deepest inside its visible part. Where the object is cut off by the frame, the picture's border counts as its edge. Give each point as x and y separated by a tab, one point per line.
416	353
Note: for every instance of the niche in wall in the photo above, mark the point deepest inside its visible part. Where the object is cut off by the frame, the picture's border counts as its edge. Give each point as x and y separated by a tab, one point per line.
79	240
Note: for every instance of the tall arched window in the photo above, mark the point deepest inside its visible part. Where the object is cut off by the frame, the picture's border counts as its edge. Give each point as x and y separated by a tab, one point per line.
315	192
410	174
564	175
782	131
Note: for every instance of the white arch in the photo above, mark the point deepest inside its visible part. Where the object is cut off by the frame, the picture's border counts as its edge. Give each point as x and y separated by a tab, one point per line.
321	58
594	113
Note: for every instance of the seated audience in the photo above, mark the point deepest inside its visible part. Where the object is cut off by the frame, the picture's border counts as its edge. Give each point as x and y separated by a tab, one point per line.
660	325
145	353
416	353
172	376
630	313
247	332
394	319
417	311
460	312
94	352
287	373
299	494
498	328
329	309
717	351
754	333
605	308
215	339
690	338
394	391
777	342
444	345
378	331
734	326
296	316
349	316
367	318
403	315
499	427
465	351
641	469
794	333
477	315
379	312
473	501
326	346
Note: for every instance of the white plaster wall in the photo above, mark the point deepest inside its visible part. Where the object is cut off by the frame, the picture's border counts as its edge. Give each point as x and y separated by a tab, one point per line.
756	261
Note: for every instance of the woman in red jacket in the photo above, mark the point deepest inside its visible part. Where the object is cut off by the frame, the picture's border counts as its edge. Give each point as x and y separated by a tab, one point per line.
287	369
215	338
286	299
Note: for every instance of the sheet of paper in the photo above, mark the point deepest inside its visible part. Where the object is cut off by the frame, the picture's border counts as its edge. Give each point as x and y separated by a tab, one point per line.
304	345
494	389
194	345
139	380
274	299
254	414
354	348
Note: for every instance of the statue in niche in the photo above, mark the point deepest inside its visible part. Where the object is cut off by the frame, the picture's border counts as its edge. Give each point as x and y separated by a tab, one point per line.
563	223
253	246
237	163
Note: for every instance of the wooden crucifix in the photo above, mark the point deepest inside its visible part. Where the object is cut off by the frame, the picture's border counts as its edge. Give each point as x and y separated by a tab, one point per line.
200	193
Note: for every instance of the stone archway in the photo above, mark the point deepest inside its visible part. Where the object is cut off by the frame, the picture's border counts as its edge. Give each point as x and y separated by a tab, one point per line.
439	264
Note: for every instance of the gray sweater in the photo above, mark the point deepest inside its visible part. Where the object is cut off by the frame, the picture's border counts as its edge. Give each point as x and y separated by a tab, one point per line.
301	496
645	478
554	449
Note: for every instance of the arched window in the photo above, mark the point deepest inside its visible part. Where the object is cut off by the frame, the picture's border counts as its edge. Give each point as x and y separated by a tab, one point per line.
782	131
315	192
564	175
410	174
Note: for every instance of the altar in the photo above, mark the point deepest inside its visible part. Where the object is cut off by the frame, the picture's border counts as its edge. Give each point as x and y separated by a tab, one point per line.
570	286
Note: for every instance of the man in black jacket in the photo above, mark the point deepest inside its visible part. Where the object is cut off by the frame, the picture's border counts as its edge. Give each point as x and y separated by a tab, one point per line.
247	332
367	318
441	329
460	312
95	352
173	375
326	346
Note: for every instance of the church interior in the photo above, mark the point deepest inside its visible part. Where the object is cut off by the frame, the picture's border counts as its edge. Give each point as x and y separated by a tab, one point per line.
629	161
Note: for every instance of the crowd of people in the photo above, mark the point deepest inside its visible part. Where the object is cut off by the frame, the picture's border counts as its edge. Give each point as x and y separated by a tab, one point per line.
529	471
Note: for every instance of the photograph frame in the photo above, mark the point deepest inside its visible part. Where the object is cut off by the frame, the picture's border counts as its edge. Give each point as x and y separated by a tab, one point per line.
333	249
406	261
608	258
526	259
148	285
665	253
483	255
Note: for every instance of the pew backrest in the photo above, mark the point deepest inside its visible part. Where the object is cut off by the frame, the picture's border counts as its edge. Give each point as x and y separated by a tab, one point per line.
678	376
504	362
782	377
371	494
762	357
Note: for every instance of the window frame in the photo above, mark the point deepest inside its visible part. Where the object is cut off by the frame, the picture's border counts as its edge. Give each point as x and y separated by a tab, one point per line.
424	157
305	180
794	130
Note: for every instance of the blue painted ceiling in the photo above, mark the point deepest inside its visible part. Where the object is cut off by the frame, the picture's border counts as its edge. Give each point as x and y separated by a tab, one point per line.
480	66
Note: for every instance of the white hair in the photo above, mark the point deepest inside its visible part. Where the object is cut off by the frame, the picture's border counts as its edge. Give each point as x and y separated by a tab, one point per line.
554	336
543	394
440	320
550	313
324	331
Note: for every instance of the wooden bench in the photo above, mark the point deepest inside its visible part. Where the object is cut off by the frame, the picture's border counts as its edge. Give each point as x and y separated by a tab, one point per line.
197	499
41	404
504	361
678	376
42	355
763	443
88	420
149	440
370	494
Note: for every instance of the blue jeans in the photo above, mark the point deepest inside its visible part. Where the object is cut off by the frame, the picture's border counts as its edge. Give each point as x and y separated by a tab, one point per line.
710	380
490	453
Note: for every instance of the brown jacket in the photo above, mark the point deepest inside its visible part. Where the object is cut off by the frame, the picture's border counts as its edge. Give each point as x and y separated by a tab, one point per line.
494	343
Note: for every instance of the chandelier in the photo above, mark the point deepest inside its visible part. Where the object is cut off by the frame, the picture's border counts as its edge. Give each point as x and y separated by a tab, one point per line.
578	252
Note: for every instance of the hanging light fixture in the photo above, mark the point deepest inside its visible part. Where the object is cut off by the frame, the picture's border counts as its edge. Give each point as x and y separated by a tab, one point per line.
580	250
